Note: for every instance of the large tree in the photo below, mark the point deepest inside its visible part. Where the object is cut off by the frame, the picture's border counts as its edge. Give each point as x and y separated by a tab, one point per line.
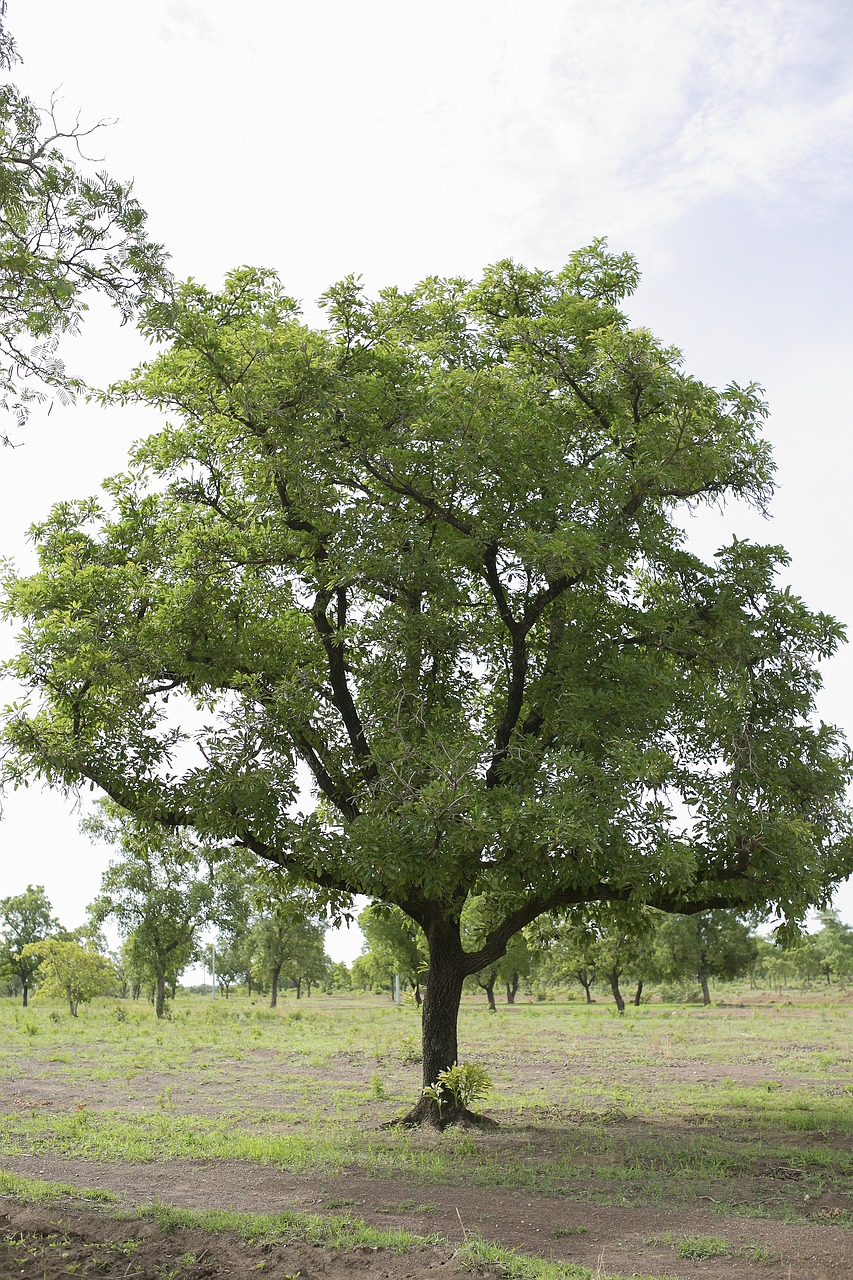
433	554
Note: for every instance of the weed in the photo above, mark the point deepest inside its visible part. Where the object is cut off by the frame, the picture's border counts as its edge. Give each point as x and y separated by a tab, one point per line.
698	1247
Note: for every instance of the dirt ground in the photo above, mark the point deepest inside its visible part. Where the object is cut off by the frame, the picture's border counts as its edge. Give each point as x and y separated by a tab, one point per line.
620	1241
626	1240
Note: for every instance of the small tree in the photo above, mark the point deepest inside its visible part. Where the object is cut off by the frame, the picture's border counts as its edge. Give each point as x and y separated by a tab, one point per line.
159	891
286	936
833	944
25	918
73	972
478	919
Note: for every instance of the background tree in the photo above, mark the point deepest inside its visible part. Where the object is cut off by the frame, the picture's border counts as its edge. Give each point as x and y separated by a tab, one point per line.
286	935
397	943
433	553
159	891
478	919
372	971
73	972
590	944
833	944
713	944
233	914
68	232
25	918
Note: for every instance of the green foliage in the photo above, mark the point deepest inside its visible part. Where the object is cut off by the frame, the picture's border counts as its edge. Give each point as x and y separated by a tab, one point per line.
67	232
159	892
396	942
433	553
285	941
712	944
25	918
465	1083
71	971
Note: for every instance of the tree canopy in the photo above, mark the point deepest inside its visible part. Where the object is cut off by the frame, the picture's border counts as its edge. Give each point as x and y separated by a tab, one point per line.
432	554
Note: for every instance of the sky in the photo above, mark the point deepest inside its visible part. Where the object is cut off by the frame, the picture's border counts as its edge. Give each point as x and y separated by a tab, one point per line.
712	139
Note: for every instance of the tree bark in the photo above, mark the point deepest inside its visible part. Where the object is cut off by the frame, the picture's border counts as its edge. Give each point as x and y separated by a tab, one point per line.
297	982
440	1012
639	995
613	979
586	982
512	988
703	980
26	993
160	995
489	988
274	987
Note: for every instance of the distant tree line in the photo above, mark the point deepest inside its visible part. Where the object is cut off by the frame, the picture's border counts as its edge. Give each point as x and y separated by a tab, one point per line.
167	891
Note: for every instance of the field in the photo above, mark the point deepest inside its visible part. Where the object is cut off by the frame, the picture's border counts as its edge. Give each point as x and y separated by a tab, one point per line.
233	1140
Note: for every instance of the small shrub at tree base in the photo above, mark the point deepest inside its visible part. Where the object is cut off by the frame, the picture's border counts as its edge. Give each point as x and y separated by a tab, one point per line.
464	1084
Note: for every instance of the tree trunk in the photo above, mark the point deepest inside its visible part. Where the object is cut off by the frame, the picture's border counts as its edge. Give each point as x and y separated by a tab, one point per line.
160	995
26	993
417	993
586	982
297	982
307	988
440	1013
703	980
489	988
638	997
512	988
613	979
274	987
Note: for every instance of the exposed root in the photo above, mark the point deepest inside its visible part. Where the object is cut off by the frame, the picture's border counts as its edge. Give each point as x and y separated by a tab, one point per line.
426	1114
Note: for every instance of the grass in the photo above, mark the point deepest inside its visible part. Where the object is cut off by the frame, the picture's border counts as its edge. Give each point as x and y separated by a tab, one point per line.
744	1109
336	1232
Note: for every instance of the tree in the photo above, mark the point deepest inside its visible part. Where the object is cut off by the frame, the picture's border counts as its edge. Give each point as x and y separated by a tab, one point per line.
66	233
834	946
610	943
73	972
433	554
712	944
25	918
397	943
159	892
286	938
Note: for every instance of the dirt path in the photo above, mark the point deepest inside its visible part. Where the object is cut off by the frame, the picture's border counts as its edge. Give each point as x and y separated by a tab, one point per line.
618	1241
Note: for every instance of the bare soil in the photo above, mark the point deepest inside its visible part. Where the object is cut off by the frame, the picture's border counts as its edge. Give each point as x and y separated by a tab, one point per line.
38	1243
614	1240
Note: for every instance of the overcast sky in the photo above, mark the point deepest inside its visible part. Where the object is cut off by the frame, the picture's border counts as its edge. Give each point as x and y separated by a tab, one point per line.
713	139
